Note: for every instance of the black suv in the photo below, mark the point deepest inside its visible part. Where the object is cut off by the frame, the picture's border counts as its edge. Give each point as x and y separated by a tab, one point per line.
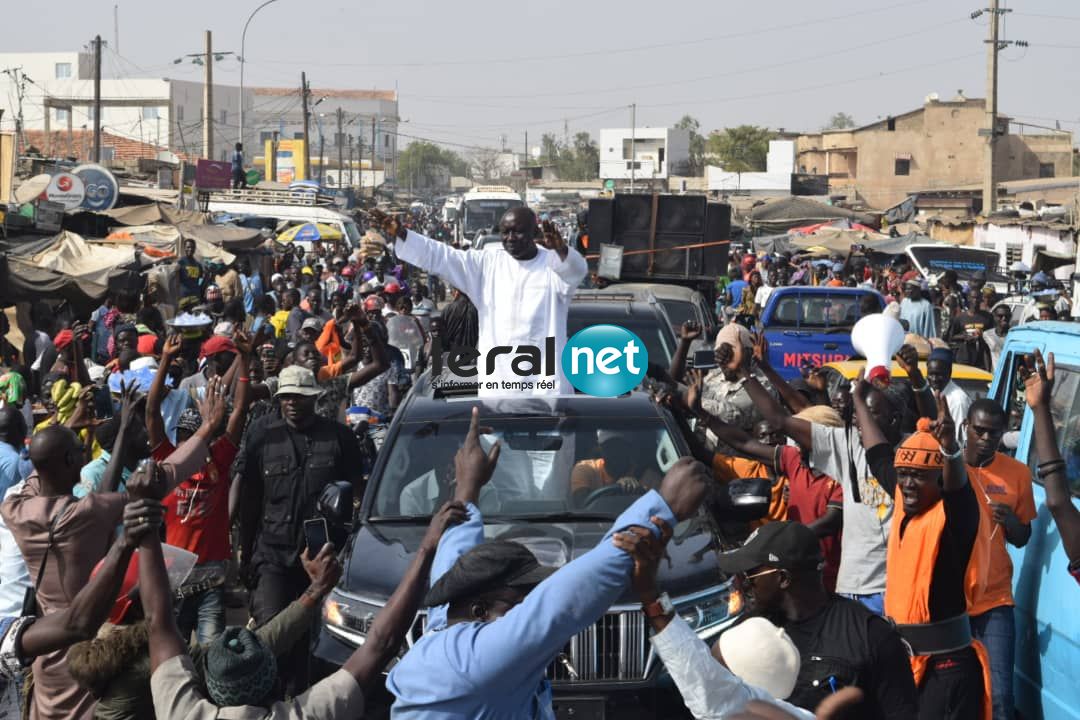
640	313
609	669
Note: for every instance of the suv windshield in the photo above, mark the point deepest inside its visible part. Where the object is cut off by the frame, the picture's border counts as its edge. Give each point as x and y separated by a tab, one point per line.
653	334
548	466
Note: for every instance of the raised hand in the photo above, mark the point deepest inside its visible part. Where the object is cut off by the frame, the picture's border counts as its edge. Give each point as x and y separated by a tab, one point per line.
391	225
129	404
472	466
684	486
944	428
694	390
689	331
647	551
451	513
761	349
1039	385
171	349
147	482
212	405
141	517
83	416
907	357
551	238
324	570
244	342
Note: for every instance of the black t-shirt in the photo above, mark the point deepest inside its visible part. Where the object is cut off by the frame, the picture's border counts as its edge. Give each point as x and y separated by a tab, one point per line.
845	644
965	334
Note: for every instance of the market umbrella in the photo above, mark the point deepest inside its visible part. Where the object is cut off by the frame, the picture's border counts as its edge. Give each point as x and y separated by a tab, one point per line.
309	232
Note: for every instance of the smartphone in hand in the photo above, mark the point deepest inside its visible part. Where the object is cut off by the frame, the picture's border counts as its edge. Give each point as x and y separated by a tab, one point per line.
316	535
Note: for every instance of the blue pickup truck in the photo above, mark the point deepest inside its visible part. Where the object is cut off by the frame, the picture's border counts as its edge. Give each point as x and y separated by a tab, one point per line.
1047	623
812	323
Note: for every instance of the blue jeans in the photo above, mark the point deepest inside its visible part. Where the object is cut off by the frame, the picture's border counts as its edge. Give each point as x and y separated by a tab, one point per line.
874	603
203	613
996	629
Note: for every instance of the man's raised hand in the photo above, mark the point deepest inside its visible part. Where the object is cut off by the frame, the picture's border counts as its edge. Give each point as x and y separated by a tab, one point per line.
472	466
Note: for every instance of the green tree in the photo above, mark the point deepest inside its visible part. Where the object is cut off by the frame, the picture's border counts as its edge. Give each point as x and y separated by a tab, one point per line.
840	121
697	144
550	148
581	161
741	149
424	163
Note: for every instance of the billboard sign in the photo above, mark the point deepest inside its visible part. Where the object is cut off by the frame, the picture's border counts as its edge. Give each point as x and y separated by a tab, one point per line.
66	189
101	188
213	175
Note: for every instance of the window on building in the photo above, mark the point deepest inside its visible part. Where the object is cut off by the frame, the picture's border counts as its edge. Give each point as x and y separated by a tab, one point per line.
179	112
224	117
627	149
386	141
890	124
660	154
90	113
298	136
265	137
63	71
903	167
62	115
1046	170
150	113
633	165
1013	253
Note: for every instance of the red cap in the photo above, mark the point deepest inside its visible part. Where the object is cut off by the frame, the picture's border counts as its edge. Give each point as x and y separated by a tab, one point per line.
127	594
392	287
880	372
63	339
217	344
373	303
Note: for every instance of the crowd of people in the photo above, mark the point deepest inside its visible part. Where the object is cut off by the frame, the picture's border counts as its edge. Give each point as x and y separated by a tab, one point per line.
169	446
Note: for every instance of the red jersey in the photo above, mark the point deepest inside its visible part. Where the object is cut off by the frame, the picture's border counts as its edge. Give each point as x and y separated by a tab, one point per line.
809	494
197	511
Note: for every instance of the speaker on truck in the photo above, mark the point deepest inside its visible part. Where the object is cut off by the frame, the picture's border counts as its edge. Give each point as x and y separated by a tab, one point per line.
683	214
601	222
717	227
632	213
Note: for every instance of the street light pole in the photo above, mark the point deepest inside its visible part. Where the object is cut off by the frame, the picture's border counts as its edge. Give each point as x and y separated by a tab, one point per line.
243	61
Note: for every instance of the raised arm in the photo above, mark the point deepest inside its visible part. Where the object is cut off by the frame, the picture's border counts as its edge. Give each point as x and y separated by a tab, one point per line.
155	423
461	268
82	374
131	411
90	607
387	632
795	428
908	360
1039	389
954	476
242	395
688	333
729	434
794	399
527	637
379	359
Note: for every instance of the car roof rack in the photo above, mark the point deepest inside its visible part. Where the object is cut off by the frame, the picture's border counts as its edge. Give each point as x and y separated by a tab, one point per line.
259	196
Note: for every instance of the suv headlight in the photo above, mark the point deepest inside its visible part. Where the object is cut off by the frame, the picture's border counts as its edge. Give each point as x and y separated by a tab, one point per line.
348	617
710	612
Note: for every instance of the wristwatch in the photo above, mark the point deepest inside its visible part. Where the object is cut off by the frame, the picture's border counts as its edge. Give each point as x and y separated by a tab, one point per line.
659	607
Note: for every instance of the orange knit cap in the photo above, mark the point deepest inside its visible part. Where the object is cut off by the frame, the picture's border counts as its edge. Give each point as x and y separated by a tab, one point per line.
921	450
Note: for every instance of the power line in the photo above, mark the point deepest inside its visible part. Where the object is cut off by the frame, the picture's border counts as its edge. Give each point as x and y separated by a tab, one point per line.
615	51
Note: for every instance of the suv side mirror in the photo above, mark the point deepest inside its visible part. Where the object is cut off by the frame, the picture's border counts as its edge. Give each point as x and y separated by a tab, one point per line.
336	505
740	500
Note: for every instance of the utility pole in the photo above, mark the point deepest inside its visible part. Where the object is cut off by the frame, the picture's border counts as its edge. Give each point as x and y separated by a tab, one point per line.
340	148
994	45
526	147
350	162
208	100
97	99
633	144
307	117
360	158
373	155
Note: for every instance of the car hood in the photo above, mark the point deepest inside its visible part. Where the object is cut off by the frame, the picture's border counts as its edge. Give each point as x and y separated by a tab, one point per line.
379	553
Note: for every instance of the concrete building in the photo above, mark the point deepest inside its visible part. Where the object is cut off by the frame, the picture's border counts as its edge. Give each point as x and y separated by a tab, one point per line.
369	117
936	145
57	91
646	153
774	182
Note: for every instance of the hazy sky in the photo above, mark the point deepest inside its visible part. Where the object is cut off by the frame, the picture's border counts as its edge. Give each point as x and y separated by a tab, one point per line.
473	71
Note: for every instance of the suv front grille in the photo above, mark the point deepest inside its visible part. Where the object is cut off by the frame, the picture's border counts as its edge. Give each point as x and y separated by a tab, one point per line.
615	648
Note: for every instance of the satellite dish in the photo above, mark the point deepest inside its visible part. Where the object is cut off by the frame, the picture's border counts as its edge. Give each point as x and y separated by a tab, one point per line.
31	189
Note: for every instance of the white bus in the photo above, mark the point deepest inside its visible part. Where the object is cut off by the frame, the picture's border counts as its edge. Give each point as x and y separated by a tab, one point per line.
483	207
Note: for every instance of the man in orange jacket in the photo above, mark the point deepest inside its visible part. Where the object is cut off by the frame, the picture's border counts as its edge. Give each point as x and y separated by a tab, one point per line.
934	567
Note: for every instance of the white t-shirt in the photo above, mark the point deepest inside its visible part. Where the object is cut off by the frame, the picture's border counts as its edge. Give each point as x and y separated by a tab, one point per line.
761	297
838	452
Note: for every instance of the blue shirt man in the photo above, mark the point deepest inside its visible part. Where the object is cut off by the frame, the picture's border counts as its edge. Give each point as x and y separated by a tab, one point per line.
496	669
736	288
10	472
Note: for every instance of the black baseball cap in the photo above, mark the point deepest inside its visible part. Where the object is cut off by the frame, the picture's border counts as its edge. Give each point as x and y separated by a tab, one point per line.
488	567
783	545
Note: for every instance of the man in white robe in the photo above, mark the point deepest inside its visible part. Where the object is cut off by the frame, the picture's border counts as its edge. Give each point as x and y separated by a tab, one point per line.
521	295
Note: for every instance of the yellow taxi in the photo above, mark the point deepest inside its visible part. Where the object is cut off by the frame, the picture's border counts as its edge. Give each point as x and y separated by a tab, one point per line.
974	381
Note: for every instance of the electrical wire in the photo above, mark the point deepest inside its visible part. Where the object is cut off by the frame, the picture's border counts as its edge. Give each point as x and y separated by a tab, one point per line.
615	51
